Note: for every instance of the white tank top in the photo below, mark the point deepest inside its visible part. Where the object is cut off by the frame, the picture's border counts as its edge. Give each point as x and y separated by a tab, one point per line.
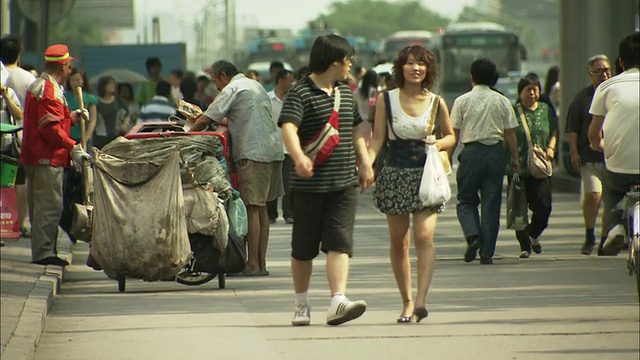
408	127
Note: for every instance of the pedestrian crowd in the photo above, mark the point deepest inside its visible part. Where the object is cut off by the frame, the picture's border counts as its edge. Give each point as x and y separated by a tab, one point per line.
320	133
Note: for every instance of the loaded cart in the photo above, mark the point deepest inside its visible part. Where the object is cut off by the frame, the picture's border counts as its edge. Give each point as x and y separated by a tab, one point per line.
160	206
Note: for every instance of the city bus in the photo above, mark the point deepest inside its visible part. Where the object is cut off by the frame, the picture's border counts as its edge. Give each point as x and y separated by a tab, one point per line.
392	44
463	43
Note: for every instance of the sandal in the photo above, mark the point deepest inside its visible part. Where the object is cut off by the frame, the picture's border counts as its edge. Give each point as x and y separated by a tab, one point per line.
405	319
24	232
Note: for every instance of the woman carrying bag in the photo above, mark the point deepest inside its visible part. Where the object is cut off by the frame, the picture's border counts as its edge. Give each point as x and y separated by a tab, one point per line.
536	135
410	118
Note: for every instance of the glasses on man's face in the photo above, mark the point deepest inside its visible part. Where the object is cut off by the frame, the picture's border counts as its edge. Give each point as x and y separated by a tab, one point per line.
600	71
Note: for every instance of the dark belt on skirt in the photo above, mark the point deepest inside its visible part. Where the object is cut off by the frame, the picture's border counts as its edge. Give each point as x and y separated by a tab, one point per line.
406	154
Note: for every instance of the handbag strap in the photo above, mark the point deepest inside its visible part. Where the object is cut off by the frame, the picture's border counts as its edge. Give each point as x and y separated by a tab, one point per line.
435	103
336	96
336	108
387	105
525	126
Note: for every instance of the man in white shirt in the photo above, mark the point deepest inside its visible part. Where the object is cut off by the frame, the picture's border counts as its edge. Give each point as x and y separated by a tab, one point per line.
482	120
283	81
256	152
615	113
19	80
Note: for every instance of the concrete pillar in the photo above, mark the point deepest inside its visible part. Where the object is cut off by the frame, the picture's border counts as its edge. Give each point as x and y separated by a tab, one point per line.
587	27
5	12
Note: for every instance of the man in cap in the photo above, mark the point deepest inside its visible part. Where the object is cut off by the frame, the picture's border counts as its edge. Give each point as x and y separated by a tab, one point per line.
47	147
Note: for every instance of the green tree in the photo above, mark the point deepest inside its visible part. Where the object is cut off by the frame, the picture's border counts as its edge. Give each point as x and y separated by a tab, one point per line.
375	19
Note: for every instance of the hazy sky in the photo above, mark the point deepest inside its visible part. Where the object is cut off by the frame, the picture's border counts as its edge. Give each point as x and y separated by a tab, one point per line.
176	24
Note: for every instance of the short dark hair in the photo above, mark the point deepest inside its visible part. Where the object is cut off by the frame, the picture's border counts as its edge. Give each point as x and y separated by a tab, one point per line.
484	72
629	50
420	53
224	67
163	88
188	87
281	75
127	86
326	49
102	84
151	62
10	49
529	79
203	78
276	65
178	73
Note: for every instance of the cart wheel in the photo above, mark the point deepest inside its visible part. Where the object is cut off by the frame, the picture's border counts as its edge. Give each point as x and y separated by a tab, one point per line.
122	280
222	280
194	278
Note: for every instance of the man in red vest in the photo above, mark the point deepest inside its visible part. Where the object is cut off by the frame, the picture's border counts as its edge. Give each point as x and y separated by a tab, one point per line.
46	151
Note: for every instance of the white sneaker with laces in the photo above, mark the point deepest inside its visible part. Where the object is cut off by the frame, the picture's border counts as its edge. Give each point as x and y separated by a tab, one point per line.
615	240
302	315
346	310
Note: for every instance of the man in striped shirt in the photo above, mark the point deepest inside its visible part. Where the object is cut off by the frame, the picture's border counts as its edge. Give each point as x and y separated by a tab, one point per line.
159	108
324	197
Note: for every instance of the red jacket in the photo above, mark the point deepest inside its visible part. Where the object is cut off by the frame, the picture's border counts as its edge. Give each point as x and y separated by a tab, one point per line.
46	136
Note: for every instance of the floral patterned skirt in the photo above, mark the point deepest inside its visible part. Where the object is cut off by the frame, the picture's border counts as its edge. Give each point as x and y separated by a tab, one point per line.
397	191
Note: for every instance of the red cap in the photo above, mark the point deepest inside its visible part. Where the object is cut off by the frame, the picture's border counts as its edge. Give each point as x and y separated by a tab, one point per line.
57	54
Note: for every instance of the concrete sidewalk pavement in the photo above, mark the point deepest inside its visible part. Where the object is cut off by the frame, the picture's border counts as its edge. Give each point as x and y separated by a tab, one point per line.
27	291
558	305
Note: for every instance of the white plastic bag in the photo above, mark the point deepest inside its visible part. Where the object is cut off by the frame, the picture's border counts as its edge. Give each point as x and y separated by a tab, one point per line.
434	186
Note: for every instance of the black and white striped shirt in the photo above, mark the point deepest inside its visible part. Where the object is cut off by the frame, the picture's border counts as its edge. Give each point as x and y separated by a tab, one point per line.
309	107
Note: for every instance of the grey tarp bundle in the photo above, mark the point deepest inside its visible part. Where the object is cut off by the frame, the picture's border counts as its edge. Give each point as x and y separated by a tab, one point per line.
139	227
126	210
201	152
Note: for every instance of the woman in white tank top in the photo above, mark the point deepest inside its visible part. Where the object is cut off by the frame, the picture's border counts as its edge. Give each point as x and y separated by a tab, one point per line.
397	186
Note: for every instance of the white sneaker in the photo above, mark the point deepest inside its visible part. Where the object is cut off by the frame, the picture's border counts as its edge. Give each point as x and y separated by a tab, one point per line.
346	310
615	240
302	316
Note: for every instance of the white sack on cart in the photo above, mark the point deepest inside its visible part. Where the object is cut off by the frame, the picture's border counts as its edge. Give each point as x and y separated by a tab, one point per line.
139	227
201	208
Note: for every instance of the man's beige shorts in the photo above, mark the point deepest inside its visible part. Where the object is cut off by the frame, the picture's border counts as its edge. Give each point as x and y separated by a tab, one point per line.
259	182
591	174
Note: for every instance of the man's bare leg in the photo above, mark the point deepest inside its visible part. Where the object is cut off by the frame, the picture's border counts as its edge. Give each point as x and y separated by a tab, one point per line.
253	238
337	268
301	274
264	239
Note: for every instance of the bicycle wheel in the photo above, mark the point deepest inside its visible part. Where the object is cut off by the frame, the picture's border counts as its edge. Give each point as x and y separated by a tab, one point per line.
194	278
